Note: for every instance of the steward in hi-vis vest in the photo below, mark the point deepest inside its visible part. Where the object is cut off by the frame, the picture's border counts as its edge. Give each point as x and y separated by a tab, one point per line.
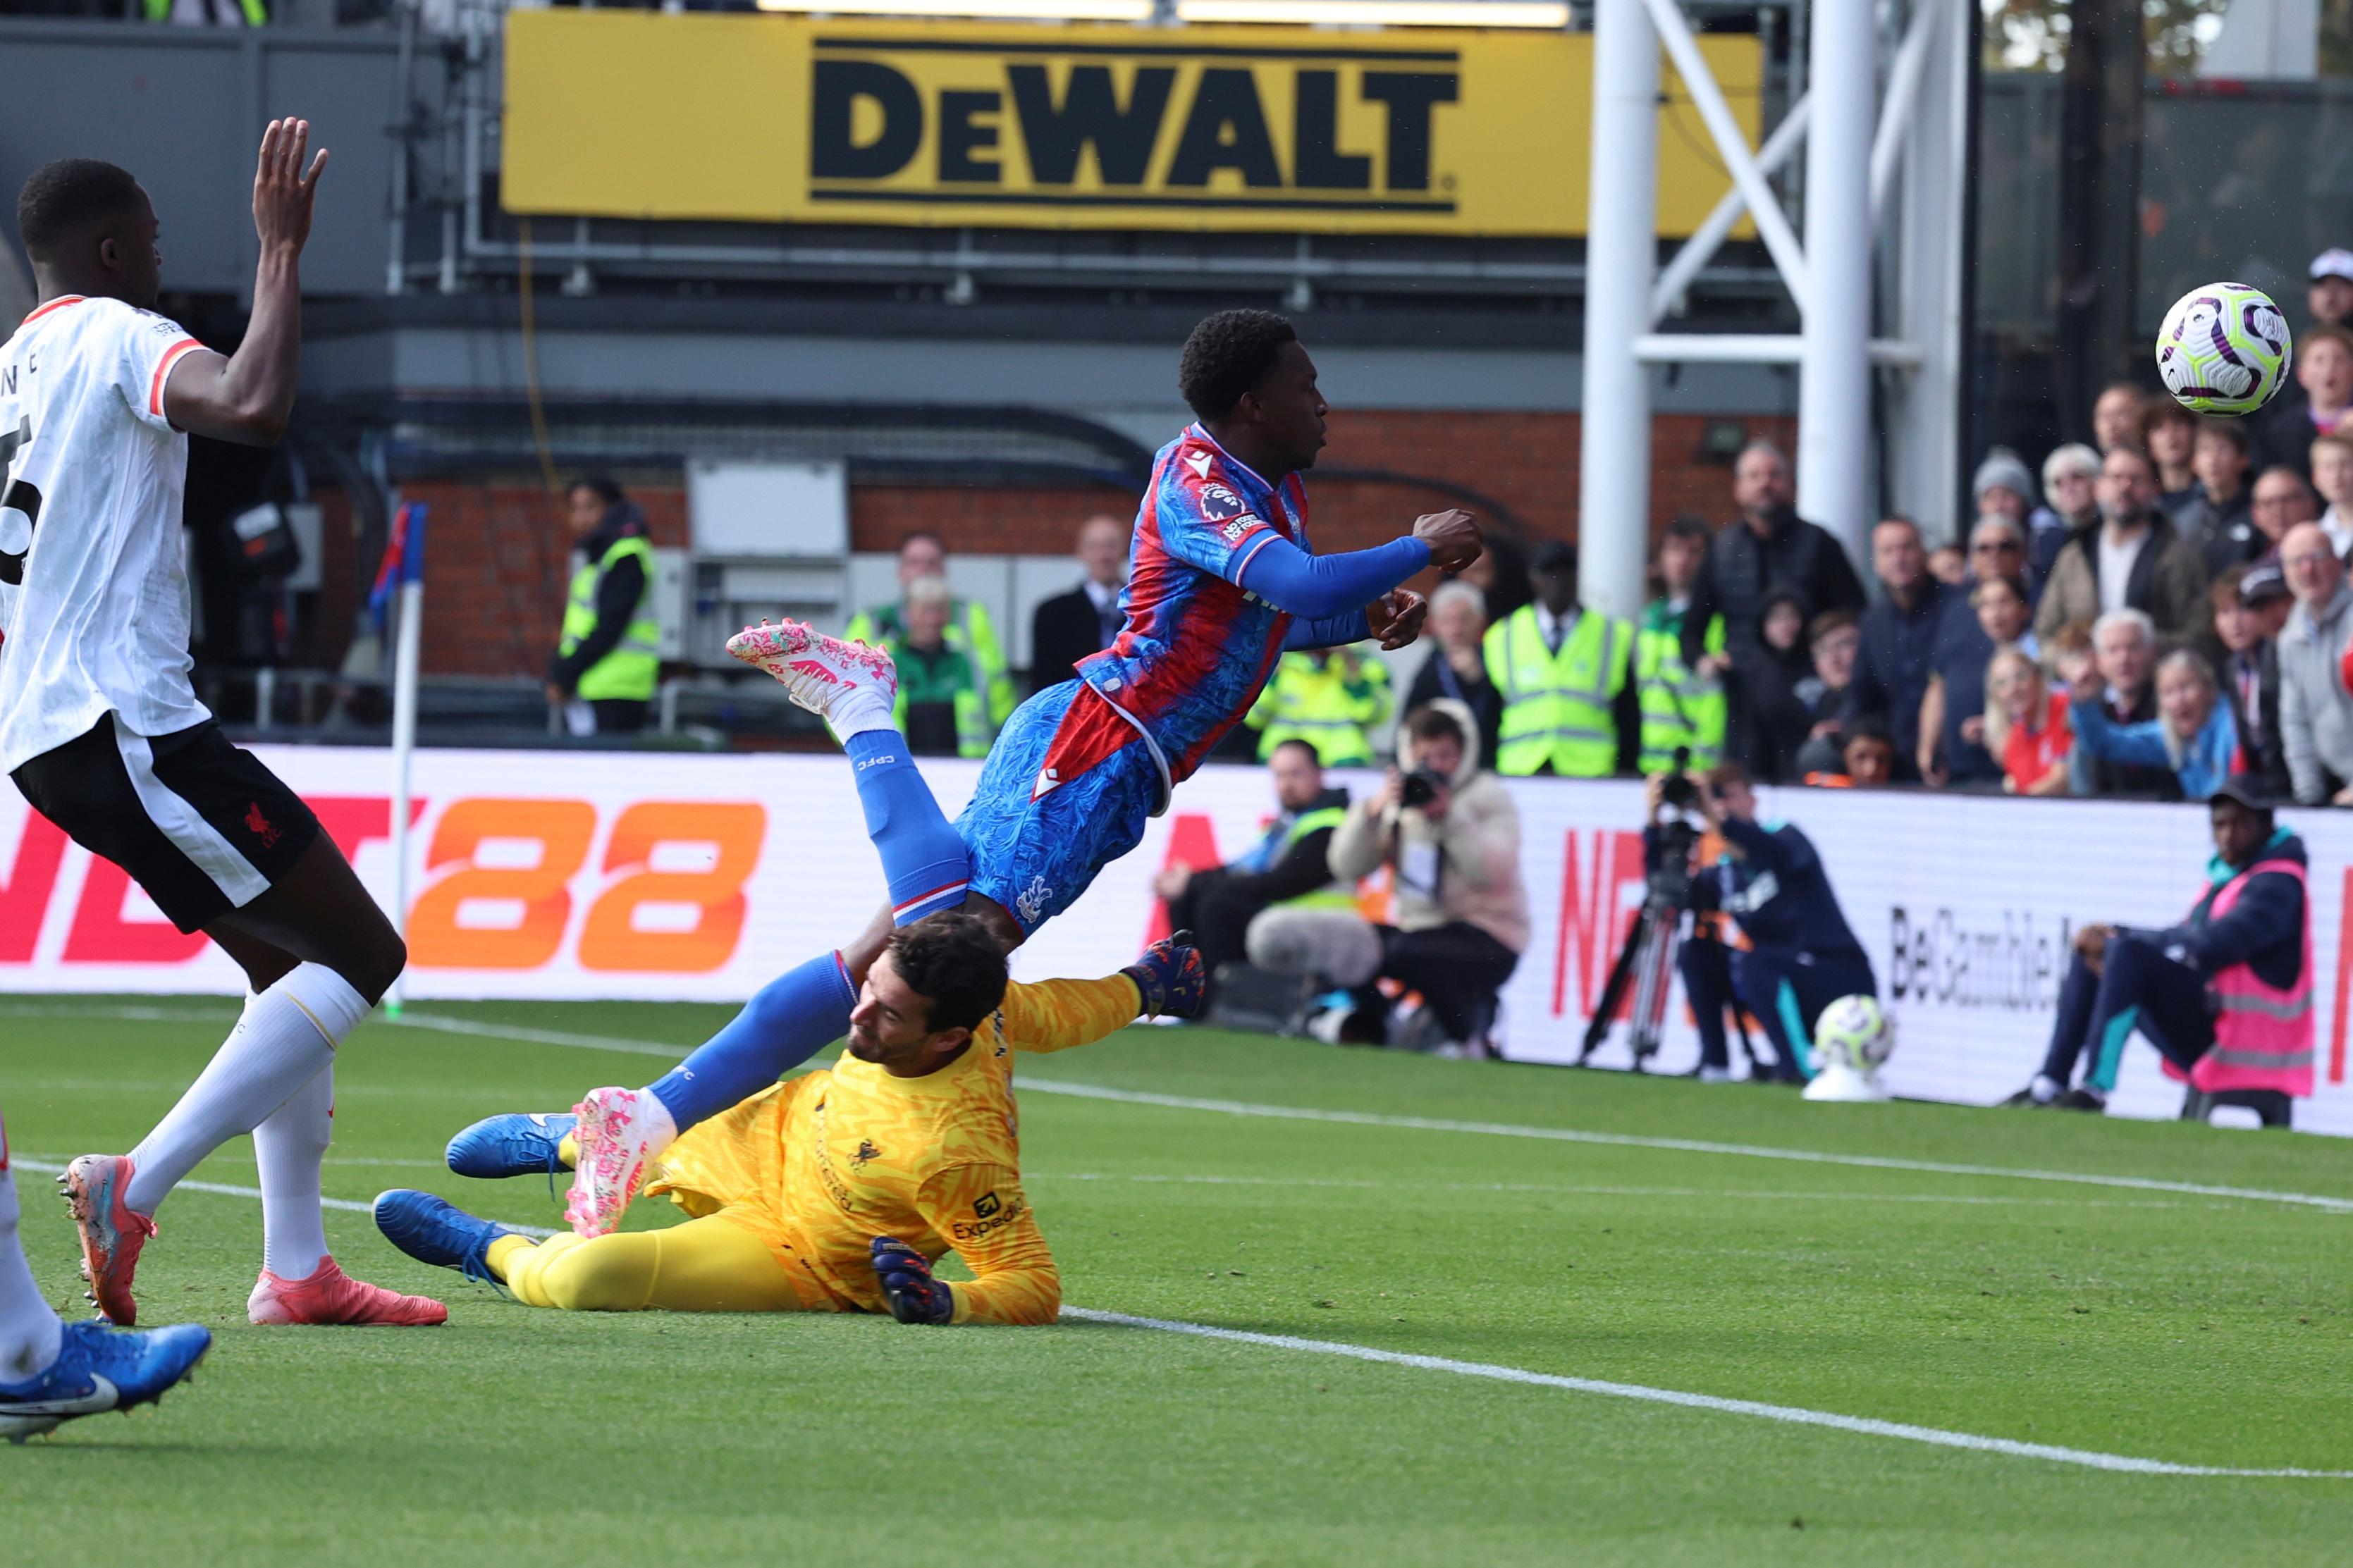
1564	676
609	657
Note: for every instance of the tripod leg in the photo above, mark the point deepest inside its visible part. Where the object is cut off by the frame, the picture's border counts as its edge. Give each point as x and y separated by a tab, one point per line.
1661	988
1621	971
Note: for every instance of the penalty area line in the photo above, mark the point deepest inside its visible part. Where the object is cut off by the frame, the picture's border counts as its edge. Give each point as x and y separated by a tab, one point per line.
1788	1414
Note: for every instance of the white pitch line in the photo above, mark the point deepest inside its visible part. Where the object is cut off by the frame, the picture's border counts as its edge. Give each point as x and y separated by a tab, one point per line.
1418	1124
1790	1415
1581	1189
224	1189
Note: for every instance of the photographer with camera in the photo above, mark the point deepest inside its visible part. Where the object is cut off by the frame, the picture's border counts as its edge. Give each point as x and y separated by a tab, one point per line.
1802	955
1450	834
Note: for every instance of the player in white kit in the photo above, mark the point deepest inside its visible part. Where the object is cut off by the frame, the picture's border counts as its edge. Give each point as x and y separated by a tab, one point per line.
101	731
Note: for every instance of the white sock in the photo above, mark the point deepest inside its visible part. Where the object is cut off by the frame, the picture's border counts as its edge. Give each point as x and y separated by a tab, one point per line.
2044	1088
857	710
289	1147
288	1034
660	1126
29	1330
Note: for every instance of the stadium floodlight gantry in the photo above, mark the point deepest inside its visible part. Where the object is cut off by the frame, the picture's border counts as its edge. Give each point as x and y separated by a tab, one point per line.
1879	281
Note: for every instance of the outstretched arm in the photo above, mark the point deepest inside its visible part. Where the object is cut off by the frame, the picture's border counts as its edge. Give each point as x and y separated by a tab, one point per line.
246	398
1056	1015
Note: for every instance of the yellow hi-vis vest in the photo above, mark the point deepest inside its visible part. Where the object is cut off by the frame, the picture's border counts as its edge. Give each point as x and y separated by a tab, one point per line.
1333	706
1556	706
975	732
631	670
1334	895
1680	708
965	616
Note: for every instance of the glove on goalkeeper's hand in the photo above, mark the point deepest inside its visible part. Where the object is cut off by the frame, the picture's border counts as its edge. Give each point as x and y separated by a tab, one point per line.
915	1297
1170	977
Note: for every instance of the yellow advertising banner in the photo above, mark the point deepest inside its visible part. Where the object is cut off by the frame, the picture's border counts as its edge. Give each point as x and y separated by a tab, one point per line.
778	118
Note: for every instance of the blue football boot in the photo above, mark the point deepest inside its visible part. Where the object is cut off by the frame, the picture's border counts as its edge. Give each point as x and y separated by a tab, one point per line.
100	1369
511	1145
434	1230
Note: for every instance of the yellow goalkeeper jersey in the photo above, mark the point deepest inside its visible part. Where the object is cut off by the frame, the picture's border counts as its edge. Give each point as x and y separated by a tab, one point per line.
821	1165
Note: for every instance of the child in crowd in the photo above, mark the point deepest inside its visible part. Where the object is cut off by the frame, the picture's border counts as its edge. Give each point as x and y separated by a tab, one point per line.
2032	722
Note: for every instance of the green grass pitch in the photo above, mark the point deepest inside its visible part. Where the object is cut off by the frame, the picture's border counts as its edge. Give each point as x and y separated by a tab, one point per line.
2160	1325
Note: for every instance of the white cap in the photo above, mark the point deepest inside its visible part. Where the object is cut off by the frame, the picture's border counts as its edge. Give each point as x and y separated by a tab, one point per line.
2334	262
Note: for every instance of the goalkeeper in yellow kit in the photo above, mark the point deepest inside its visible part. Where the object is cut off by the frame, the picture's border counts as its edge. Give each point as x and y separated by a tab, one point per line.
837	1190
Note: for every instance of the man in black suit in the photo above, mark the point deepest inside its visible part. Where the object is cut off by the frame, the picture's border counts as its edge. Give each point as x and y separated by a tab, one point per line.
1069	626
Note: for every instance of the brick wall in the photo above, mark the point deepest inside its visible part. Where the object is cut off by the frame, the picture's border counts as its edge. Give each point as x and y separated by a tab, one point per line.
496	566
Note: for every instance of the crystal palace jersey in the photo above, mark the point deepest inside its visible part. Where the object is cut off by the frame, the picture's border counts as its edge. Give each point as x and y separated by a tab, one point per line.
94	606
1196	648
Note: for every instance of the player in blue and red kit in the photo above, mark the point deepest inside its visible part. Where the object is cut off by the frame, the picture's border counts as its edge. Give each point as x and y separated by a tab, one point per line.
1221	584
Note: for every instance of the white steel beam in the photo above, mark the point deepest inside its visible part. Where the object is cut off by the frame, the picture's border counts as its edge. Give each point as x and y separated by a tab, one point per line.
1772	224
1834	441
1759	348
1701	247
1895	111
1614	468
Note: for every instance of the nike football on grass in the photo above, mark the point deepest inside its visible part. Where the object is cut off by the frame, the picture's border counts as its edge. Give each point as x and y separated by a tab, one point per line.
100	1369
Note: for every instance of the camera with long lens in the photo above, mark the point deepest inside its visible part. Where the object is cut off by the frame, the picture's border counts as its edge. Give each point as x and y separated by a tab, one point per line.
1418	787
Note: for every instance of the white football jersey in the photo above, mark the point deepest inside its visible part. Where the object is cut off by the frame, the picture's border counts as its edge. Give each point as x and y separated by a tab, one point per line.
94	604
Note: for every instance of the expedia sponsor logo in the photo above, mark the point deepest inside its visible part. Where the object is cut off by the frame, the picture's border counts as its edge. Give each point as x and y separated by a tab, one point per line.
1155	123
983	1225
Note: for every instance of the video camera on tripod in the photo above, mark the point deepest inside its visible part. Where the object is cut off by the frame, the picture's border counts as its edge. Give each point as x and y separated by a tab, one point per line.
1647	961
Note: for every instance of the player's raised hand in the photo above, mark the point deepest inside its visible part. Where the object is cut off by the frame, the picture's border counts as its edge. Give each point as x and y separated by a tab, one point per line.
1453	536
1169	979
282	188
905	1276
1395	617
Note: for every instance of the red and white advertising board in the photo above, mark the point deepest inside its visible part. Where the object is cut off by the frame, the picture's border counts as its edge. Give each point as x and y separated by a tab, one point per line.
661	877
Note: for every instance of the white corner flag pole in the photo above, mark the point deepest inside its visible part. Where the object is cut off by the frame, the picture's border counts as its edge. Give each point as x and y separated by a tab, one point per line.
409	608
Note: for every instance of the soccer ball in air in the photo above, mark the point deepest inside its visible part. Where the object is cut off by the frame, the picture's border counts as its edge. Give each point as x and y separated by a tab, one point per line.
2224	349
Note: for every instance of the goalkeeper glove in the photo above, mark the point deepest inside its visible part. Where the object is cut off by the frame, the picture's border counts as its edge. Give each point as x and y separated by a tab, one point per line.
905	1276
1170	978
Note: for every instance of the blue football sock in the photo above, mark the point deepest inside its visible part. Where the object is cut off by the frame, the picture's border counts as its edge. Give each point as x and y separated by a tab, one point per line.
795	1016
923	859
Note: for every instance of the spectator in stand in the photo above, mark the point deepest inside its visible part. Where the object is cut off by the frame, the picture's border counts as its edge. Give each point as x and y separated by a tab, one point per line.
1779	723
2226	995
1769	547
1565	677
608	655
1067	627
2169	434
1899	634
1865	759
1948	564
1289	865
2194	733
1457	665
2117	416
2332	476
942	707
2133	560
2123	657
2003	488
2216	518
2071	477
2282	502
1951	747
1331	698
2245	601
1998	549
2026	724
2329	288
1834	641
2319	401
2316	715
923	554
1679	706
1500	572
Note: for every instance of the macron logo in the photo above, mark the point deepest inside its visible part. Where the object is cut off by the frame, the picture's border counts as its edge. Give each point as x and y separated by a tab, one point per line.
1199	463
1047	780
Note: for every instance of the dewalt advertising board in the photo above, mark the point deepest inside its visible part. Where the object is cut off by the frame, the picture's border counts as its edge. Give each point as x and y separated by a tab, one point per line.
769	119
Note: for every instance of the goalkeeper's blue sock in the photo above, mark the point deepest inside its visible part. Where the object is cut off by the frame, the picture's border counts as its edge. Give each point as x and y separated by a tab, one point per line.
794	1016
923	859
